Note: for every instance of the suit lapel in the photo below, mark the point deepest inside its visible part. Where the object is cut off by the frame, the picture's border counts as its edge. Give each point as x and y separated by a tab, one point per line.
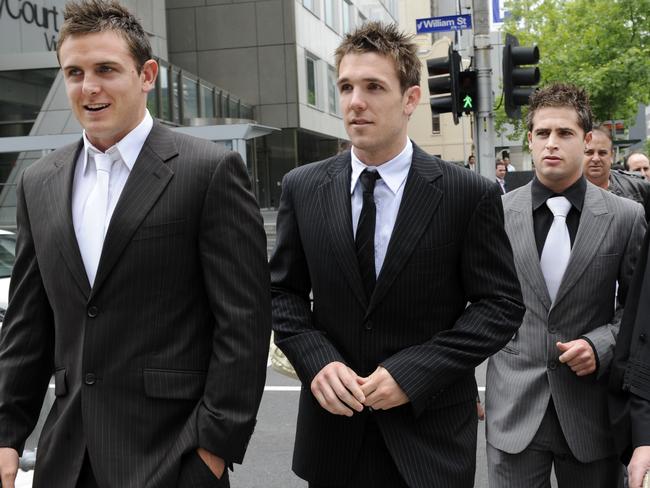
594	224
149	177
335	203
59	187
520	227
419	202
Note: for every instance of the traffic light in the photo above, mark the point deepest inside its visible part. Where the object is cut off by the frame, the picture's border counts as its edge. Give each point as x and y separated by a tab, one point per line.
468	93
518	82
444	78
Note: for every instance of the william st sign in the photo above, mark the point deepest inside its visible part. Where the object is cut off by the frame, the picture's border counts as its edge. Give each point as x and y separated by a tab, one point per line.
443	24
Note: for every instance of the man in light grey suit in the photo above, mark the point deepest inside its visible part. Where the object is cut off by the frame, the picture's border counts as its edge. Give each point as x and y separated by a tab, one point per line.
573	244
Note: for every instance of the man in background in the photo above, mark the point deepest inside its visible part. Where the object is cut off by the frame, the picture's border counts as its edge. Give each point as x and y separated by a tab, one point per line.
638	162
500	171
598	159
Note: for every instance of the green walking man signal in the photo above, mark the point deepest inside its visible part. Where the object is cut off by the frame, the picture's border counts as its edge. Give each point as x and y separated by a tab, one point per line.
468	103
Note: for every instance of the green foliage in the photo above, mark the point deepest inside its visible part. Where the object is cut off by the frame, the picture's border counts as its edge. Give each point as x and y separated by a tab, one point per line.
601	45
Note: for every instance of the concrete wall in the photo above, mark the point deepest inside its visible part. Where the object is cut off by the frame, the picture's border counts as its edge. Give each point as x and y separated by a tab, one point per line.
30	26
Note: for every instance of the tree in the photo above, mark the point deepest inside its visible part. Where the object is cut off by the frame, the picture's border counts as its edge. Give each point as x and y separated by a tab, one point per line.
600	45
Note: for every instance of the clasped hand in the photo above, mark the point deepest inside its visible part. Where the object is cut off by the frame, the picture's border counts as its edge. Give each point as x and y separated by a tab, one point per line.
339	390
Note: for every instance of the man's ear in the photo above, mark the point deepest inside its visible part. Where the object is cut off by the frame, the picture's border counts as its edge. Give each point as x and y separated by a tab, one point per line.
148	75
412	98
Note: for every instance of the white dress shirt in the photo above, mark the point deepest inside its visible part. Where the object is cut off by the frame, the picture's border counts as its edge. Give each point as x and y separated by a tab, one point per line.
388	196
123	154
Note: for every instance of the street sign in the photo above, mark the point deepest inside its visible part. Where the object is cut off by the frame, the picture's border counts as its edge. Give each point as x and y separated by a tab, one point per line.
443	24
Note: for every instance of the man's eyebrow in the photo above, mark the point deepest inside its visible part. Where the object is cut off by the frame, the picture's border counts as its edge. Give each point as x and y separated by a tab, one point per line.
368	79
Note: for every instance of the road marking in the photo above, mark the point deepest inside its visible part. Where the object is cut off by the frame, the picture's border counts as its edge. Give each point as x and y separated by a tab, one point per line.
281	388
278	388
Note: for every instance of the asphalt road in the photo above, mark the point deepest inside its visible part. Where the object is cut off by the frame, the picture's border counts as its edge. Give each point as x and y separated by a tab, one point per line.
268	459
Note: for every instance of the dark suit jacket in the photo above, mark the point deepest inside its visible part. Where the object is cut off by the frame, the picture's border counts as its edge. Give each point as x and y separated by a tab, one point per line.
629	383
448	248
167	351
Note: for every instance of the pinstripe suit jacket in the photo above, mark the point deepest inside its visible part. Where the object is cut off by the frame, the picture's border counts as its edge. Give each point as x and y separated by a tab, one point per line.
526	373
167	351
448	248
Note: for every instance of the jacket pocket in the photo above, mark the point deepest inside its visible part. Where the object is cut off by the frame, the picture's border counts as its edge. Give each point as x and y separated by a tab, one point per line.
174	384
163	229
60	385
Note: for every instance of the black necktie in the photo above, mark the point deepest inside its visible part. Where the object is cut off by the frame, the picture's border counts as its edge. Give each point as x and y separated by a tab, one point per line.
365	238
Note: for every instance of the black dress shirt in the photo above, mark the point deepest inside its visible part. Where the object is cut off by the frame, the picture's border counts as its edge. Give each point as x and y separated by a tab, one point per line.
543	217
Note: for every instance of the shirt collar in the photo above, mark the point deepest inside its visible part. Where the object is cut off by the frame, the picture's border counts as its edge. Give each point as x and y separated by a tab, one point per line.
127	149
393	173
575	193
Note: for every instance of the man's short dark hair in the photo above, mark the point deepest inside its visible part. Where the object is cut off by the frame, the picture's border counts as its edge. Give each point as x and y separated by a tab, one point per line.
387	40
500	163
92	16
560	95
604	130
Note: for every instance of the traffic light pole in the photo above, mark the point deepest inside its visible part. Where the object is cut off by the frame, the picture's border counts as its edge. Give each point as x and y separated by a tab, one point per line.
484	126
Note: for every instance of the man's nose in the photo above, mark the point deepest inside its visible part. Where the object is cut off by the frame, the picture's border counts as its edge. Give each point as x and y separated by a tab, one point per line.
91	85
357	101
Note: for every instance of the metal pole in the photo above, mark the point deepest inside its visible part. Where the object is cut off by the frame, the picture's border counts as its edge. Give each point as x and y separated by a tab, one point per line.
484	117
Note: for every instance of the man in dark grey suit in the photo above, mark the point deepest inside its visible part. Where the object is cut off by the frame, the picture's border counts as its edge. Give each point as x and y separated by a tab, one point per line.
393	244
575	246
140	282
629	400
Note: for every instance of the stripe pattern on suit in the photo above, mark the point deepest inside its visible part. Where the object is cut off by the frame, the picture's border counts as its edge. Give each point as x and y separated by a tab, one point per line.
166	352
448	248
523	376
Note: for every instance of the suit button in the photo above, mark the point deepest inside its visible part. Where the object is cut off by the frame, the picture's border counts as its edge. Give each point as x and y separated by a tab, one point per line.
552	330
368	325
93	311
552	364
90	379
642	337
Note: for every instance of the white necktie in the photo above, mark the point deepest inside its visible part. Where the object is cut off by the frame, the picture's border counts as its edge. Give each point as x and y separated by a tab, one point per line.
557	248
93	230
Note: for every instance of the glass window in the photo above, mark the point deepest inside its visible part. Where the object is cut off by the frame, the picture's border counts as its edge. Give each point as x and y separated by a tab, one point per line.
332	91
311	81
311	5
347	13
234	108
176	97
207	101
190	98
165	102
22	93
435	124
332	14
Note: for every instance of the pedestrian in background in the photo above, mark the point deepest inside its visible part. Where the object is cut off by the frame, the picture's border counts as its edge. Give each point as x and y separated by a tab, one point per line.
598	160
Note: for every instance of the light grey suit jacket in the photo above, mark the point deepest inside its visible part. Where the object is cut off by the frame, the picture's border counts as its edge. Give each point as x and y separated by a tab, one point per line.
526	373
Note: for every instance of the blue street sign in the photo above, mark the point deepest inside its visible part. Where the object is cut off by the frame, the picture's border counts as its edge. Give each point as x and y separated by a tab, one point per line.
441	24
499	14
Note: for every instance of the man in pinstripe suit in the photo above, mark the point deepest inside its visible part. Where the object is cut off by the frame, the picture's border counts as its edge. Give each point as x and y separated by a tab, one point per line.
629	400
140	282
387	353
546	392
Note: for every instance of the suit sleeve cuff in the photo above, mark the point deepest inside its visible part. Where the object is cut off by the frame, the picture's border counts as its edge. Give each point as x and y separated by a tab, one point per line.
640	416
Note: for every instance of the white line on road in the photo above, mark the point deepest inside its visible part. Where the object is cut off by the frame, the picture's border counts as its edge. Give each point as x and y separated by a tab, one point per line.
281	388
